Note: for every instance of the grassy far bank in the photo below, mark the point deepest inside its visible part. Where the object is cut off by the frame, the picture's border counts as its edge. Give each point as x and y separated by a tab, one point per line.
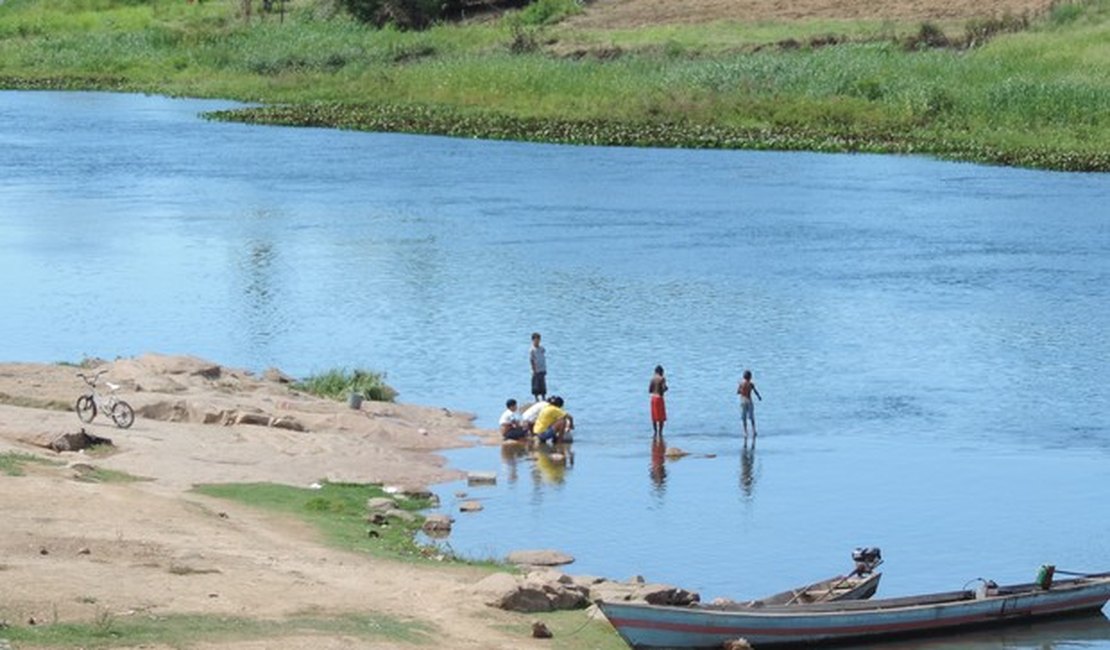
1038	98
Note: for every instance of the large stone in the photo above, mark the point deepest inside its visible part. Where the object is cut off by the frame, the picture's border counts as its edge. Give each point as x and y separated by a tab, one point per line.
287	422
656	594
211	372
481	478
470	506
277	376
610	591
587	581
77	441
539	592
496	587
546	574
437	526
380	503
256	419
527	599
403	515
568	596
417	493
540	557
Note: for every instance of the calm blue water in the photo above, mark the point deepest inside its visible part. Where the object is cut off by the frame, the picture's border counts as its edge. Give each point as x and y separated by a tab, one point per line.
932	339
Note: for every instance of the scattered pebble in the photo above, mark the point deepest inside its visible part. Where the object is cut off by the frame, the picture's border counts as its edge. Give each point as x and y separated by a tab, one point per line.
481	478
540	631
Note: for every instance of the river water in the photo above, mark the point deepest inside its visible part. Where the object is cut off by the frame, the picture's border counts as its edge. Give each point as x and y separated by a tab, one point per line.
931	339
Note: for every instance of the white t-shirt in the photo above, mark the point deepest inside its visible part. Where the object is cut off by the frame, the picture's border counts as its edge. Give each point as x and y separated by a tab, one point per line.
509	417
533	411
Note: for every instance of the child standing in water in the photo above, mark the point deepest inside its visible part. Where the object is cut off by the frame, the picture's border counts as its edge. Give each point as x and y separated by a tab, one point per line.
747	408
657	387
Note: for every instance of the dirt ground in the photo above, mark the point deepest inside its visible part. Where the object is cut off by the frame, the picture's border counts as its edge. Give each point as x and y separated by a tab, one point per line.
623	14
72	550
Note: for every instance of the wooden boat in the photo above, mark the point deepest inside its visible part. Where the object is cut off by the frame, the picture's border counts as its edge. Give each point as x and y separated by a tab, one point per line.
654	627
849	587
860	584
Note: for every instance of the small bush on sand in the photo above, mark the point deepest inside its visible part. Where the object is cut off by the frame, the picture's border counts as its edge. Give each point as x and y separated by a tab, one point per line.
12	462
339	383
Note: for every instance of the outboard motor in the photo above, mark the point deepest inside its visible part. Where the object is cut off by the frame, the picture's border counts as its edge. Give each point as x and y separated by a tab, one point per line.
867	559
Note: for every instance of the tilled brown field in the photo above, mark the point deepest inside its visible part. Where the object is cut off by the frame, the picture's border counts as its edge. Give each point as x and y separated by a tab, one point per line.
617	14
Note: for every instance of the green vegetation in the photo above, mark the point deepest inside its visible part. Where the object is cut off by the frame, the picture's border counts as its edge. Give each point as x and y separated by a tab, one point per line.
12	462
338	510
101	475
574	630
183	631
545	12
35	402
338	384
979	91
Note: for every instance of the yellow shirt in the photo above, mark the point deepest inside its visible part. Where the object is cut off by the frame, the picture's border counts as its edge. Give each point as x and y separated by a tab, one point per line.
547	417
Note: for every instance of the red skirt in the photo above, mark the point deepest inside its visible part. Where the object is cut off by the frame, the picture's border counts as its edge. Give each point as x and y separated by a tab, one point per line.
658	409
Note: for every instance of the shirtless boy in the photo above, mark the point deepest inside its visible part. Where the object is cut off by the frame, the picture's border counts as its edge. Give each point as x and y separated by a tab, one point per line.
747	408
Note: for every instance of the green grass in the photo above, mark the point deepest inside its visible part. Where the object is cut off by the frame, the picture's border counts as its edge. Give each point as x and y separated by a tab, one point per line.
35	402
102	475
1039	98
13	462
572	630
337	510
184	631
339	383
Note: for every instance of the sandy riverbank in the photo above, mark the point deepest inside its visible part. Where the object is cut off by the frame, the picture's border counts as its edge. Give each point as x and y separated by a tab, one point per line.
71	550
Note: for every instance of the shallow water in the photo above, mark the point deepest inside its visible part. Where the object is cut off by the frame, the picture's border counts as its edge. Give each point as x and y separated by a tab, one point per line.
932	339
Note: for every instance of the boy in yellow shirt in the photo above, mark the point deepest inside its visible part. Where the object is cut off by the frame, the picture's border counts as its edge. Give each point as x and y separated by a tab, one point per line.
553	423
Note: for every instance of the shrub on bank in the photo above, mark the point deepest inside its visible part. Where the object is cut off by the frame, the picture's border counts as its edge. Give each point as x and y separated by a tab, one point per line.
404	14
339	383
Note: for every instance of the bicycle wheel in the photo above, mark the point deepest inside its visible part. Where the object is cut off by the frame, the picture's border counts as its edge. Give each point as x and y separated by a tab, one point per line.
86	408
123	414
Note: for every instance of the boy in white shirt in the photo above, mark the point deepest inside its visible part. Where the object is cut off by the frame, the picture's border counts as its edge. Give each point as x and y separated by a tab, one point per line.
509	423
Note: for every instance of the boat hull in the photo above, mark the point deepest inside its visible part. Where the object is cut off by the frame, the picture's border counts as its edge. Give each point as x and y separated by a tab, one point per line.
649	627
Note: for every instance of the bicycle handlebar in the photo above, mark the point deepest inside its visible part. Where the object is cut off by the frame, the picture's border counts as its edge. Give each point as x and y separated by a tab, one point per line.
92	381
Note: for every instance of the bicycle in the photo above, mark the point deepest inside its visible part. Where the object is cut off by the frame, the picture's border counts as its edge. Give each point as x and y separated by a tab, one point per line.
88	405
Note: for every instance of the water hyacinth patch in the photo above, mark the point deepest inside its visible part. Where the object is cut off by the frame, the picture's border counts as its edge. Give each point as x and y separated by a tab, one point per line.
447	121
